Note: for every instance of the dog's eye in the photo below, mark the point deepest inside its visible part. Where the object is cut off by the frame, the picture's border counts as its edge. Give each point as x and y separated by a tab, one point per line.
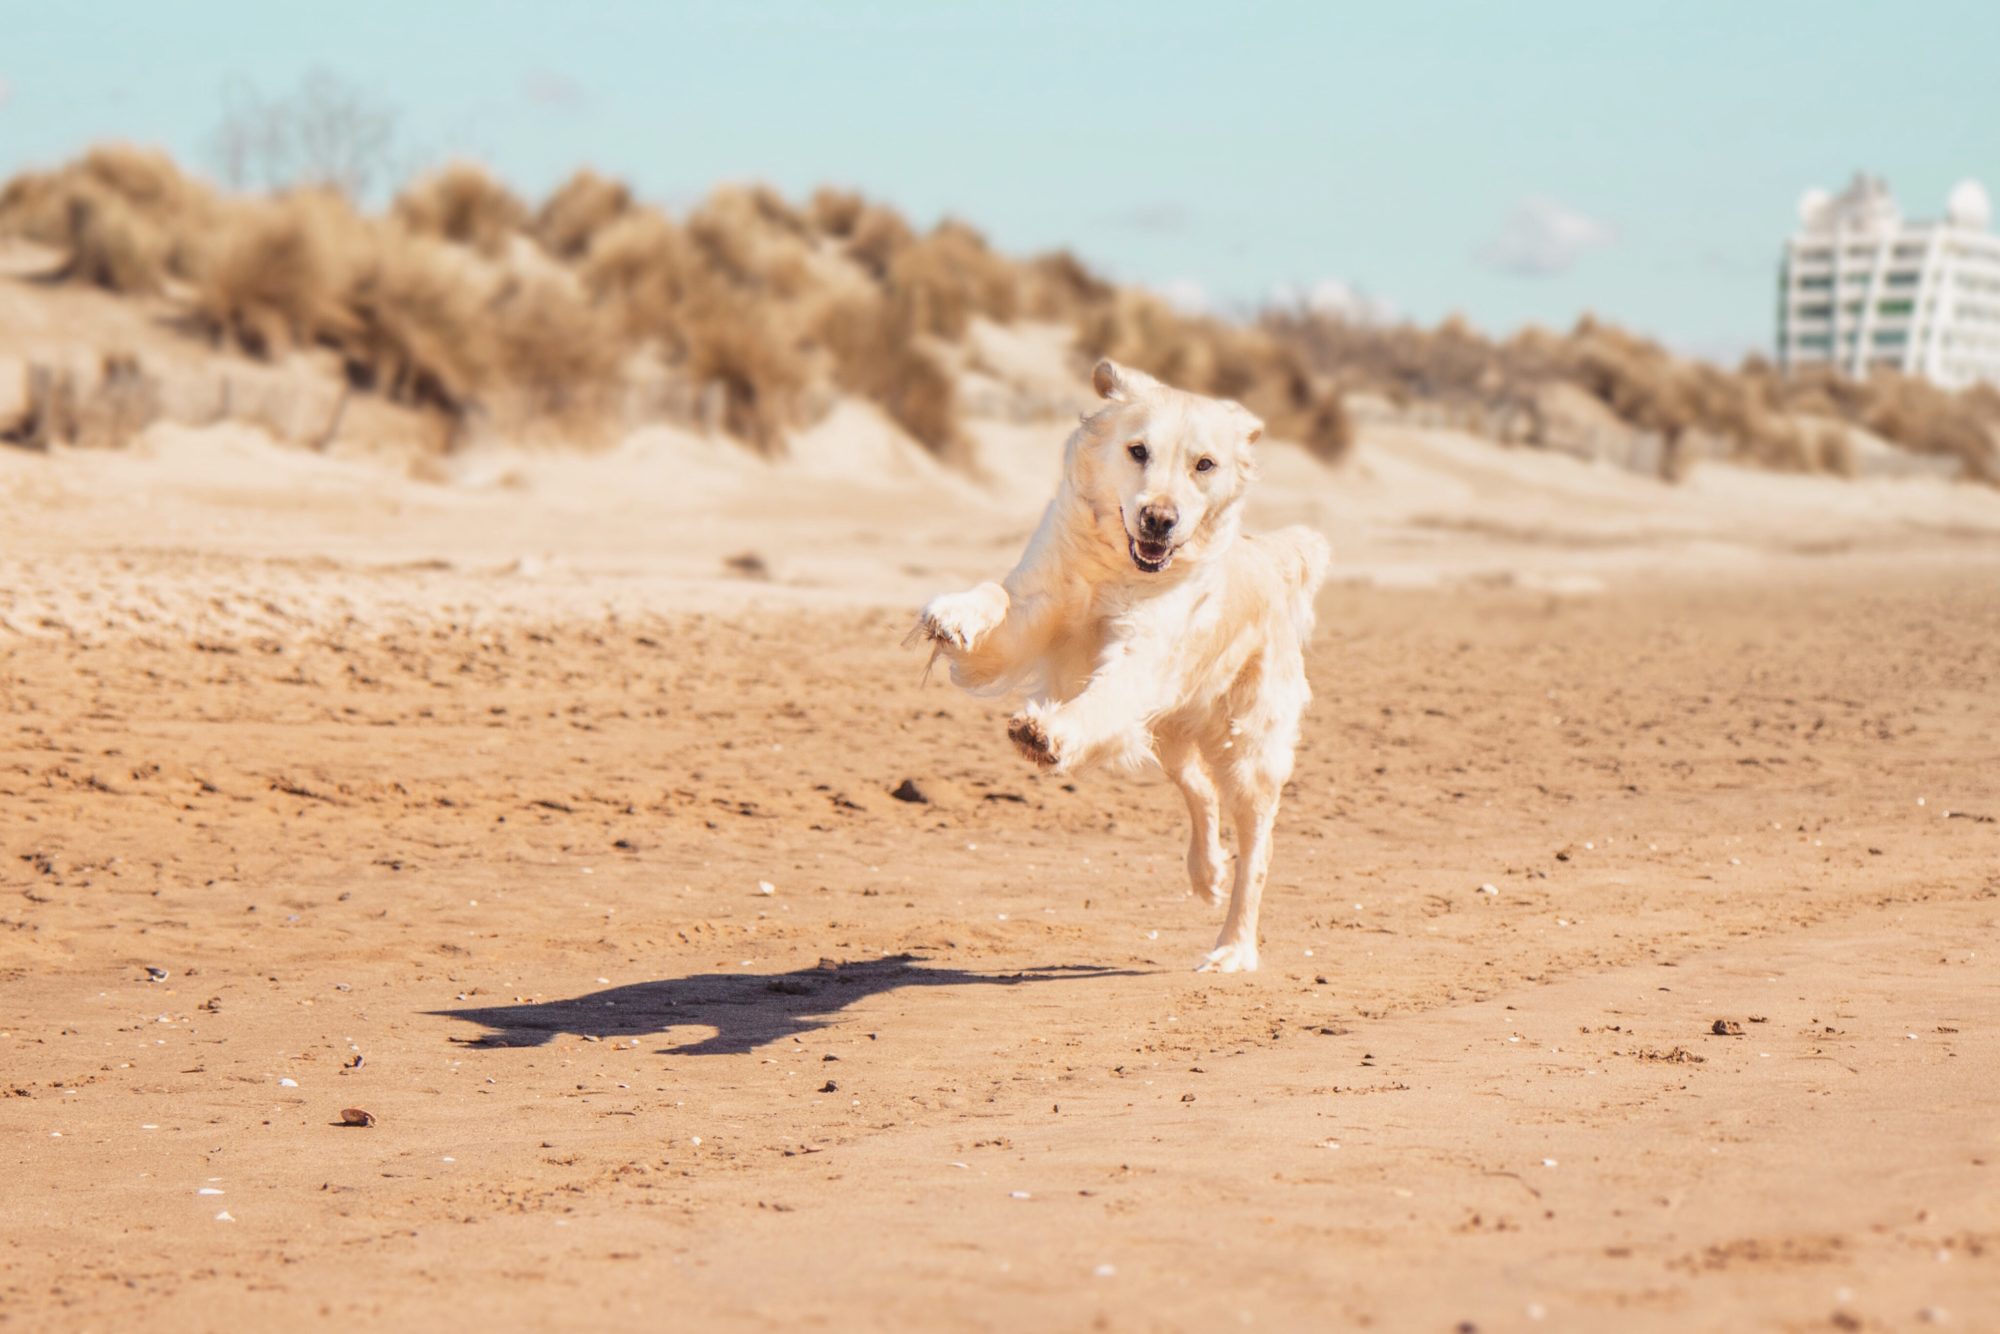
1138	453
1204	465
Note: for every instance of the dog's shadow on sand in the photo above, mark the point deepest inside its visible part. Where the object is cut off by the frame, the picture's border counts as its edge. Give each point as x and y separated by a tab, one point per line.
746	1010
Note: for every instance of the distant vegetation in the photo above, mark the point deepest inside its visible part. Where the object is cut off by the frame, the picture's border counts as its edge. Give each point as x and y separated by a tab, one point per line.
752	313
1526	389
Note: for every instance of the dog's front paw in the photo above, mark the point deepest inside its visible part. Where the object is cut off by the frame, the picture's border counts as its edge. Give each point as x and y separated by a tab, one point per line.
1032	737
1236	956
958	621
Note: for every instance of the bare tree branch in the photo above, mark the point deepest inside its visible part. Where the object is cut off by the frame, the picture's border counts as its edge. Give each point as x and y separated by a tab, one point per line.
329	133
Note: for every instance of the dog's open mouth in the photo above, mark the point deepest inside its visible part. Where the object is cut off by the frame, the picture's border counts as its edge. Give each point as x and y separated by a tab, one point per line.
1152	557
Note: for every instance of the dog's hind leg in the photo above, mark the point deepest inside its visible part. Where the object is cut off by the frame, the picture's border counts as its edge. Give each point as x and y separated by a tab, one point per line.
1253	806
1207	861
1250	770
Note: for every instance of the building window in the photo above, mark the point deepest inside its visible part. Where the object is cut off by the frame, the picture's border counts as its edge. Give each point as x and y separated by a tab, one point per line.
1895	307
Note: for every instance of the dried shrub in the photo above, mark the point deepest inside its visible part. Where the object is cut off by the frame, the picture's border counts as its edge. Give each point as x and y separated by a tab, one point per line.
127	218
642	269
579	210
1928	420
876	238
417	331
463	203
1316	418
753	239
145	178
279	272
550	346
1761	416
879	358
113	245
739	350
1057	286
775	212
1833	451
835	212
35	205
938	283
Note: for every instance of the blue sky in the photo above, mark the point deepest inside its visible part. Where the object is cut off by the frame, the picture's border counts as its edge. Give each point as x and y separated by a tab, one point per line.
1515	162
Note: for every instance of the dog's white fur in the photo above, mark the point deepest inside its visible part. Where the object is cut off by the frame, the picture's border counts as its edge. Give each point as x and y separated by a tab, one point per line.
1144	625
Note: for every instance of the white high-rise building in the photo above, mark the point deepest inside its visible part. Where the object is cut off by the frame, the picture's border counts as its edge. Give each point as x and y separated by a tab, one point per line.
1863	287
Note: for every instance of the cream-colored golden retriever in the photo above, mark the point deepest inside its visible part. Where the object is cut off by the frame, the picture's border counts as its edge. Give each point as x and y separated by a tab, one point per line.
1144	625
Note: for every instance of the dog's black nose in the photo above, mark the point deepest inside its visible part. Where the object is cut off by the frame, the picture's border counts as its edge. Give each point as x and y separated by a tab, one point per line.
1157	520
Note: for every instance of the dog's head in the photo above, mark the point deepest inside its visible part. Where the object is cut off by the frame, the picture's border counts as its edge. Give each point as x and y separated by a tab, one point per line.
1171	467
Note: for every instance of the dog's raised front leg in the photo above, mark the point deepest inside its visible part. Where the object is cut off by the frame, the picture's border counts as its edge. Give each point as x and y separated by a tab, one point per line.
1107	719
959	622
990	633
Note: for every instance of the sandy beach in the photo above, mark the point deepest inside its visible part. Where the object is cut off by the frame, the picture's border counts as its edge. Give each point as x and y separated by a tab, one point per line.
545	811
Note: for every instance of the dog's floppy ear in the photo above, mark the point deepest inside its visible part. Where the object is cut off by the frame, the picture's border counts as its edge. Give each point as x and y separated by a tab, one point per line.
1119	383
1249	422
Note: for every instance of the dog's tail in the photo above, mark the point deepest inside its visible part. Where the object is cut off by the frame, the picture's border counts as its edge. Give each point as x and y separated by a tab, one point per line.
1303	557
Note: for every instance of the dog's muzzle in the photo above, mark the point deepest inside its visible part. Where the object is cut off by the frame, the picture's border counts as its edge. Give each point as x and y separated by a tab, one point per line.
1150	556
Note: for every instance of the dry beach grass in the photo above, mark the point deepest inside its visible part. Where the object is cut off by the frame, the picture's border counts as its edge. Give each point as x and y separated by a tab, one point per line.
753	315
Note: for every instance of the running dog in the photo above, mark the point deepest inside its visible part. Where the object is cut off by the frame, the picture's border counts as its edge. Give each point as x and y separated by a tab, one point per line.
1143	625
